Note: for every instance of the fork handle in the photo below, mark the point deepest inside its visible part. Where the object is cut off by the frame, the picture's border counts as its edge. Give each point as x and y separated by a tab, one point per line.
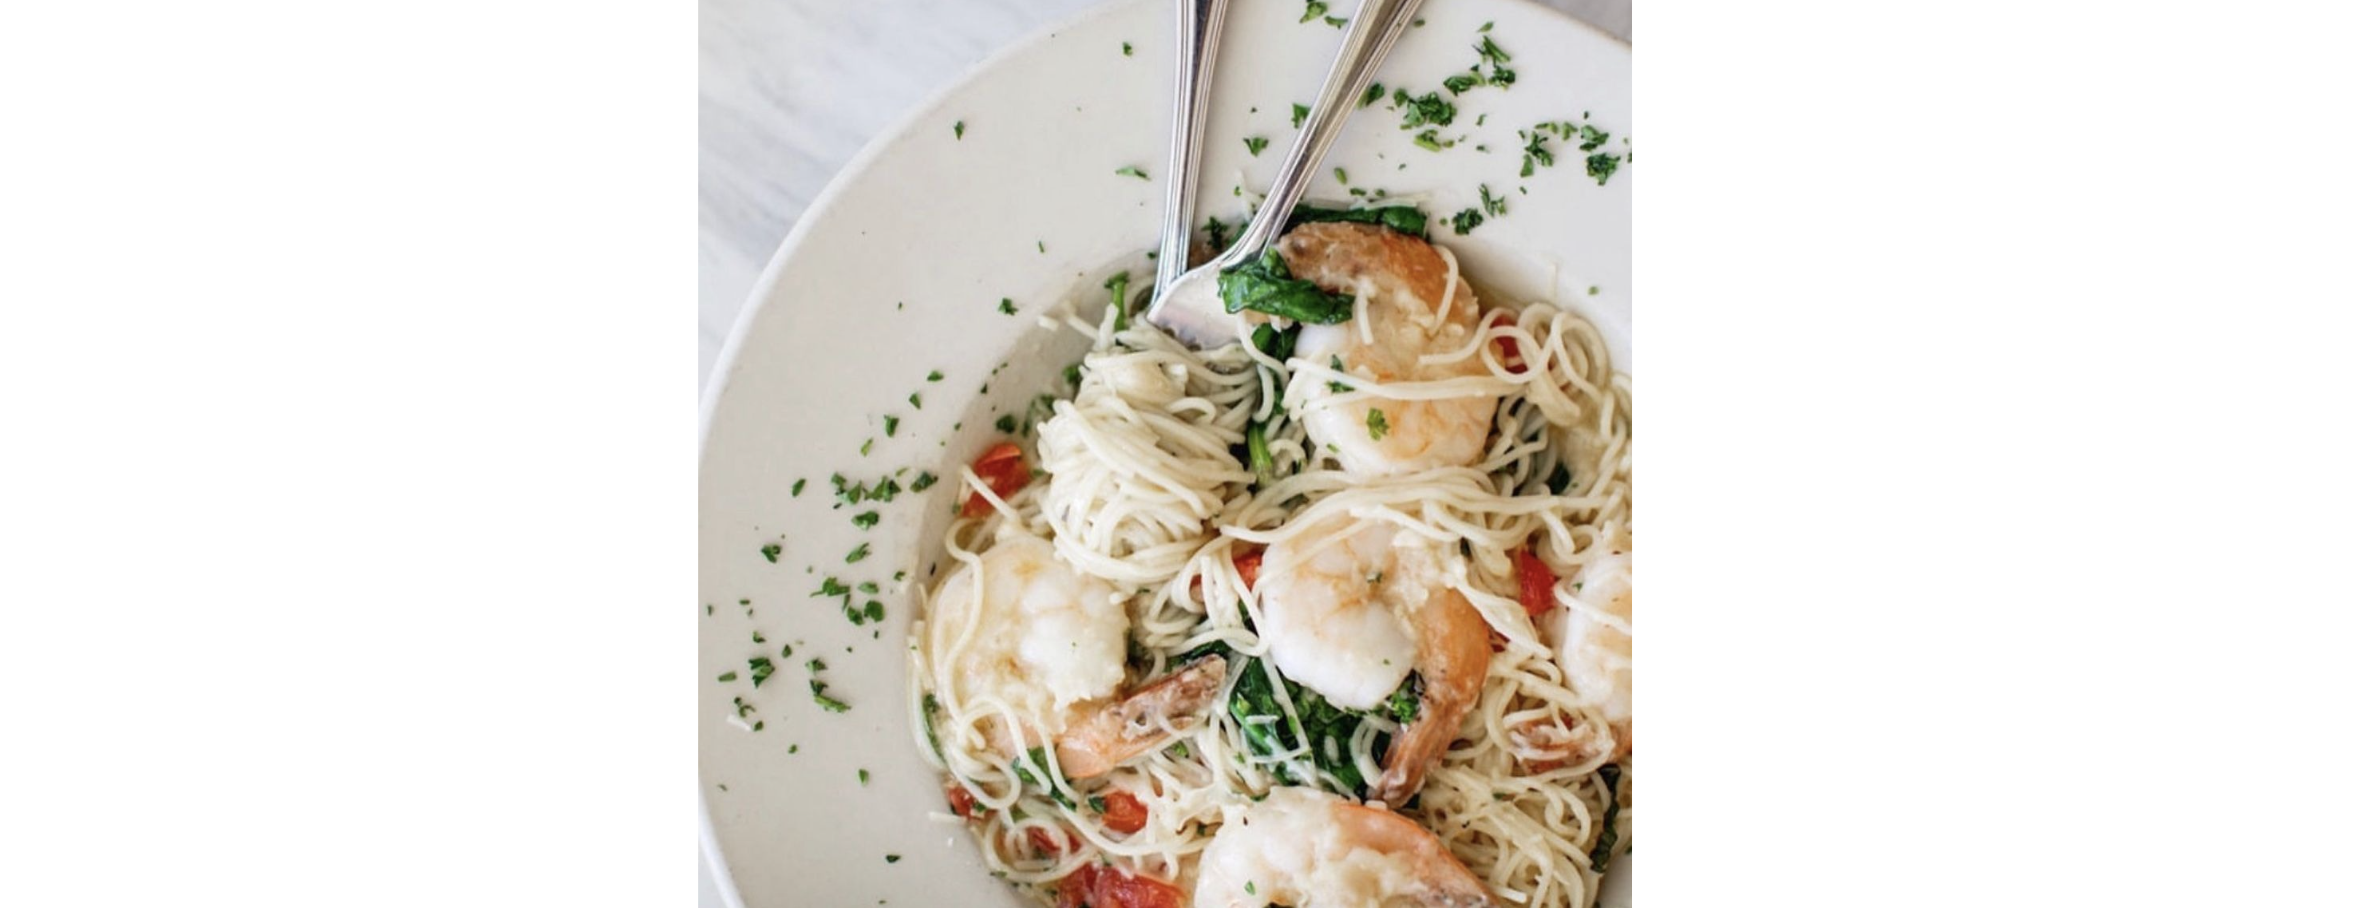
1198	27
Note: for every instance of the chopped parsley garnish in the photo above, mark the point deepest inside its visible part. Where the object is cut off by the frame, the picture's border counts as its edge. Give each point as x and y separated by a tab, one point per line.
1535	153
1373	94
1033	769
1128	52
1008	308
896	857
866	443
1338	365
827	702
925	480
863	551
863	774
759	668
1313	10
1006	424
771	552
1297	114
1428	109
1218	234
1558	481
727	677
958	127
1463	223
757	636
797	489
891	423
935	375
1601	167
1132	171
1427	139
914	399
1593	138
868	586
1491	52
1334	22
1256	145
1495	205
1115	285
1489	26
1592	291
1462	82
866	519
874	610
1340	173
1264	285
831	587
1377	421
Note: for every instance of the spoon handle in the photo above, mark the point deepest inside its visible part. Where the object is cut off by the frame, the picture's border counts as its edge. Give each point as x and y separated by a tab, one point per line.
1198	27
1376	26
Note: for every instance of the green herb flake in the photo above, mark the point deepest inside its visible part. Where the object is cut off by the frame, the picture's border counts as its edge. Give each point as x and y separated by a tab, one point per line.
797	489
1427	139
896	857
914	399
925	480
1491	52
1339	366
1297	114
1593	138
866	519
863	774
1607	844
771	552
1128	52
829	703
1115	285
1340	173
1132	171
866	443
1600	168
1372	94
1334	22
727	677
935	375
874	610
1462	82
1007	307
1592	291
891	423
1006	424
758	669
1256	145
1495	205
1463	223
958	129
1313	10
863	551
1427	110
1377	422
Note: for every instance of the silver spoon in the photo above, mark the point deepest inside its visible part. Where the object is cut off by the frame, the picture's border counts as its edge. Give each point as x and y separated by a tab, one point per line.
1191	306
1198	27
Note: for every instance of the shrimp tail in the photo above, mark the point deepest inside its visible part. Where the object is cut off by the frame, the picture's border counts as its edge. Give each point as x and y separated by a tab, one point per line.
1141	721
1452	665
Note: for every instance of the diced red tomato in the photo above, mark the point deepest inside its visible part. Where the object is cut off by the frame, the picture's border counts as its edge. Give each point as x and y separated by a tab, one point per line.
1507	347
1535	583
1125	813
1109	887
1043	842
1003	467
962	802
1247	564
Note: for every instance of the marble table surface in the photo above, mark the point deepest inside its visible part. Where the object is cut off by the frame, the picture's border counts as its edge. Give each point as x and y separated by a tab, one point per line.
789	90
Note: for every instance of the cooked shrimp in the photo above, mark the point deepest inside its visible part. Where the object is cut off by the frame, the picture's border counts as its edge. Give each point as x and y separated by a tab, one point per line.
1350	608
1405	315
1049	642
1593	635
1309	849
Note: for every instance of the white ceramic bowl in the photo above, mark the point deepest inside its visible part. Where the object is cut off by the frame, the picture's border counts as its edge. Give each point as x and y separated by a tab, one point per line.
898	271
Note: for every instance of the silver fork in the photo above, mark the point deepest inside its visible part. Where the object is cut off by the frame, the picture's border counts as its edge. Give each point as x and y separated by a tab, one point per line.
1191	306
